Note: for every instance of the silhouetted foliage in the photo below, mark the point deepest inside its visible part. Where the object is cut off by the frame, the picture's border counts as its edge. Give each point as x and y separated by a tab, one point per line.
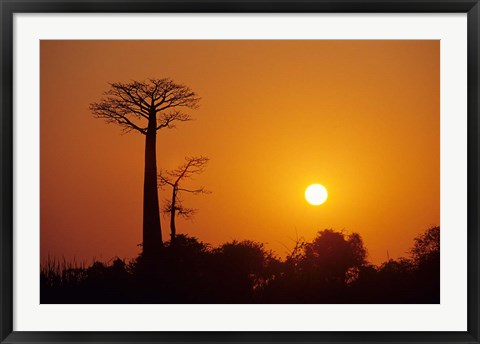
427	247
239	268
320	271
426	257
332	268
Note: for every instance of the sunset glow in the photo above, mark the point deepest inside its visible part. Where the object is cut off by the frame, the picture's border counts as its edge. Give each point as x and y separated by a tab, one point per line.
360	117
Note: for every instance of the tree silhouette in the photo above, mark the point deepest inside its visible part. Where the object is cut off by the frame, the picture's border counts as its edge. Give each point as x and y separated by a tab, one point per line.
427	246
426	258
332	255
320	271
174	178
332	268
147	107
240	269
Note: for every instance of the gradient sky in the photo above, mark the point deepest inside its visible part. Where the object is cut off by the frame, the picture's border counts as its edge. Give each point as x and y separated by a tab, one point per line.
360	117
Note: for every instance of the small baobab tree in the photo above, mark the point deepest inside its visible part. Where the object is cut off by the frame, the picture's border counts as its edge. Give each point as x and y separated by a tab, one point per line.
146	107
174	178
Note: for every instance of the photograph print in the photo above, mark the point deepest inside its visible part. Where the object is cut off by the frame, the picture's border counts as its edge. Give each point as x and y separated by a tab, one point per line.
240	172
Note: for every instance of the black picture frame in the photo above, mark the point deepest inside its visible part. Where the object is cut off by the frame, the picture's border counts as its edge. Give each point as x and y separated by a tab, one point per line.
9	8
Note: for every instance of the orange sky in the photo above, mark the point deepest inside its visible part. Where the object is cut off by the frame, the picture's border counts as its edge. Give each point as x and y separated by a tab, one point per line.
360	117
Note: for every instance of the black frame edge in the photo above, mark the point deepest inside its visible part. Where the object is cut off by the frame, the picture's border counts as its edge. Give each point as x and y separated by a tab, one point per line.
473	39
9	7
240	337
241	6
6	174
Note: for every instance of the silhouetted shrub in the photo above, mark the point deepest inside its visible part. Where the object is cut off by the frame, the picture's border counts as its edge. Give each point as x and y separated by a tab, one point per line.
332	268
320	271
238	270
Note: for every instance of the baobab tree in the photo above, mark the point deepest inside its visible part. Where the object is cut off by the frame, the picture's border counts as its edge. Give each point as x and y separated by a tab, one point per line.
174	178
146	107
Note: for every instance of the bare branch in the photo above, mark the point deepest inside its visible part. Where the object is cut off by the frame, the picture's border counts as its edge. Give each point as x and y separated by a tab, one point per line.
163	180
132	105
111	113
201	190
186	213
174	178
193	165
166	120
130	97
167	207
169	95
180	210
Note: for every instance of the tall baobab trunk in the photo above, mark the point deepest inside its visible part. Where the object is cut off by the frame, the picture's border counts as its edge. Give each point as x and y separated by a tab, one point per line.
152	234
146	107
173	230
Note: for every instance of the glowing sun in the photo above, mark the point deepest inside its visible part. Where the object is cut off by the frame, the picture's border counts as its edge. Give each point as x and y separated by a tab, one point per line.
316	194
